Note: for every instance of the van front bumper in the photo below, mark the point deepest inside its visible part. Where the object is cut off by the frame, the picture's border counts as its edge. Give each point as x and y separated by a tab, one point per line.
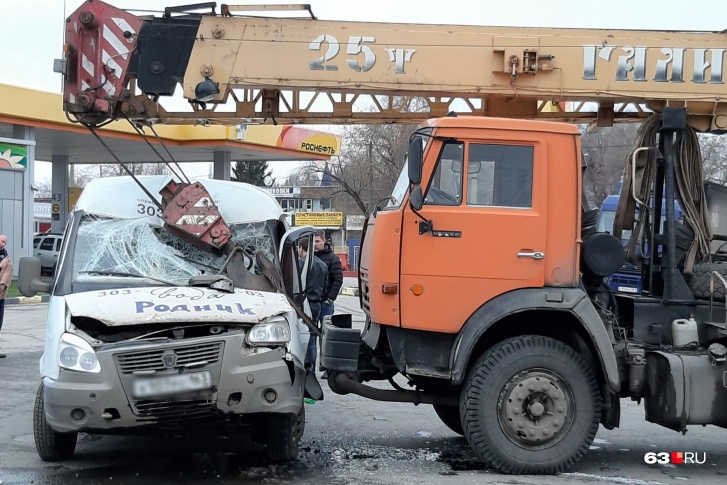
244	381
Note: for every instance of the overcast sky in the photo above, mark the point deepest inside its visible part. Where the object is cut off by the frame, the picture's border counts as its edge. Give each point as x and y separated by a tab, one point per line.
31	35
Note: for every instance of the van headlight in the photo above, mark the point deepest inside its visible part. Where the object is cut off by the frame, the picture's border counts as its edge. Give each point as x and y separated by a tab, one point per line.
76	354
272	332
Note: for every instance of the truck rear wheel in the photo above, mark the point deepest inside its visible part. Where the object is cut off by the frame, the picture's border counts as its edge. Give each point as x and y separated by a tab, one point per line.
51	445
450	417
530	405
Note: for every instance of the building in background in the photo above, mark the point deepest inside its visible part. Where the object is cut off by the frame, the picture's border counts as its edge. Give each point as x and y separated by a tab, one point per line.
316	206
354	231
42	210
17	152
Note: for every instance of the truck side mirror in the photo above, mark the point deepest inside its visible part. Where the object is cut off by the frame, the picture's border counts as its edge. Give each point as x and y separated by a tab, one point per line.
416	199
416	152
29	277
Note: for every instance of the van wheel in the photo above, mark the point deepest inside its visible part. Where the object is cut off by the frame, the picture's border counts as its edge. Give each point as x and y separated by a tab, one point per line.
450	417
530	405
284	434
51	445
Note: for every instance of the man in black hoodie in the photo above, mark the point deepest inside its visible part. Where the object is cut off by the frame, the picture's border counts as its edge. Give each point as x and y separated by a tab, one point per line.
334	279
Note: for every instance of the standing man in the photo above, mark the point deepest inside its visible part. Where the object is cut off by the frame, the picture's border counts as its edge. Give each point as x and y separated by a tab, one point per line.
334	280
6	274
313	291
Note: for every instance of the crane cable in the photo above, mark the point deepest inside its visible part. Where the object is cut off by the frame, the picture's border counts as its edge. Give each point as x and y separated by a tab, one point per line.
183	177
638	180
123	165
689	175
690	192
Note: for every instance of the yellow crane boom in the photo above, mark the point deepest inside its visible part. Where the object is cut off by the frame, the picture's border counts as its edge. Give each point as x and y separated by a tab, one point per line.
312	71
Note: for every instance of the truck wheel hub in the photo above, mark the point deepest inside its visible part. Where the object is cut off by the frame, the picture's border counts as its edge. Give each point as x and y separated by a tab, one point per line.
535	409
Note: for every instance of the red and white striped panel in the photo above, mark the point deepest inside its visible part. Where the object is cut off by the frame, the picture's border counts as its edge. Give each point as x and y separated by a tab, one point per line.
99	51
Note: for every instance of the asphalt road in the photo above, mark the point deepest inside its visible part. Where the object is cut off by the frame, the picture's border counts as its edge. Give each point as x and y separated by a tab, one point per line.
347	440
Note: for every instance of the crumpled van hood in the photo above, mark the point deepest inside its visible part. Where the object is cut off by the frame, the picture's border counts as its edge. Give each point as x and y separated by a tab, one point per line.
171	304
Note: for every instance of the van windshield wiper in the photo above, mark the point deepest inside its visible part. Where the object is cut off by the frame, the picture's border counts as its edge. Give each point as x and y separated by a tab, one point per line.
133	275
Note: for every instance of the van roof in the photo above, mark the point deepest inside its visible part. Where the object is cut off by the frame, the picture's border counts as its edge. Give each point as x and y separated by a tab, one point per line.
122	198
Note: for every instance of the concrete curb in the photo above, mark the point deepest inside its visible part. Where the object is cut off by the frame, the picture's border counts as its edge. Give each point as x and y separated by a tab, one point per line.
23	300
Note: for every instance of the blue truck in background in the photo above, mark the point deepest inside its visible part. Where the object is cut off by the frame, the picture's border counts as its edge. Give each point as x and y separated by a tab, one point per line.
628	278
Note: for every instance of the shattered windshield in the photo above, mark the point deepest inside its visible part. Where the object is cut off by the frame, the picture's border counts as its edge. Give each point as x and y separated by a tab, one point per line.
136	248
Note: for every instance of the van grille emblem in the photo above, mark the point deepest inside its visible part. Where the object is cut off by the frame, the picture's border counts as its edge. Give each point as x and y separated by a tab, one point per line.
169	359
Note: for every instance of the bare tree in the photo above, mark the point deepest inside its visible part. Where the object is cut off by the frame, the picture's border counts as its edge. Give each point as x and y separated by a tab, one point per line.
366	170
115	170
304	176
714	157
370	160
43	189
606	151
81	175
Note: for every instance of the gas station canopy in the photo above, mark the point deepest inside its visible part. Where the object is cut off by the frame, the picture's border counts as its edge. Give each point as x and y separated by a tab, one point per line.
57	136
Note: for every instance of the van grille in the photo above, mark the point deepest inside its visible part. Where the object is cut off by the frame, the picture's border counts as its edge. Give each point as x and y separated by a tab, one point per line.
172	410
151	360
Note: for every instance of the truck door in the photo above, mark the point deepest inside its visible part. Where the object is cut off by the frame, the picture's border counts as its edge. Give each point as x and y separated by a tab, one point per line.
487	204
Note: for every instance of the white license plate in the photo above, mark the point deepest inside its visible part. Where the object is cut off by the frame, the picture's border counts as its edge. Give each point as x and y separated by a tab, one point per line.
157	386
627	289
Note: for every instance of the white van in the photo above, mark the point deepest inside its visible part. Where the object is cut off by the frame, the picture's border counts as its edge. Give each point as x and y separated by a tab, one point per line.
137	340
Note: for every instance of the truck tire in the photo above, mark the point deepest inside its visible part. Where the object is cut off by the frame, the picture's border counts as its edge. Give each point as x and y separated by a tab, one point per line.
284	434
530	405
51	445
450	417
699	282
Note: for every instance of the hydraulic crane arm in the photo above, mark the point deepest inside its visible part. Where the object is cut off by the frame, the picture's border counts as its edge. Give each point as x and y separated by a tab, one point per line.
308	71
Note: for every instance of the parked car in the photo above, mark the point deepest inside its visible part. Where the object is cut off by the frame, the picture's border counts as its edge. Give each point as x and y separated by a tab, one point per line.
47	247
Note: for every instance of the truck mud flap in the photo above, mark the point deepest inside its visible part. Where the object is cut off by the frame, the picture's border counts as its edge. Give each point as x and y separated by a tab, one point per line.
340	348
312	387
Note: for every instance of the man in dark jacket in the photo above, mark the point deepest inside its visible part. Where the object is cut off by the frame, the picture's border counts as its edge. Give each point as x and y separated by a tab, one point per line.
334	280
314	293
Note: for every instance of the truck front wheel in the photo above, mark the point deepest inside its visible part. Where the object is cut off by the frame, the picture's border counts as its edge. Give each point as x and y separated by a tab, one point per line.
530	405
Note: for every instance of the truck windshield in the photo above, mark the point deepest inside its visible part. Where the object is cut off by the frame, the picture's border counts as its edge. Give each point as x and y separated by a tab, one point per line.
399	191
605	221
133	247
605	224
402	182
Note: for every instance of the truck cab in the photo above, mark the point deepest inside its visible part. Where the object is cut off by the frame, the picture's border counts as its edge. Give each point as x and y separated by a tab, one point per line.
147	334
494	217
484	282
479	248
